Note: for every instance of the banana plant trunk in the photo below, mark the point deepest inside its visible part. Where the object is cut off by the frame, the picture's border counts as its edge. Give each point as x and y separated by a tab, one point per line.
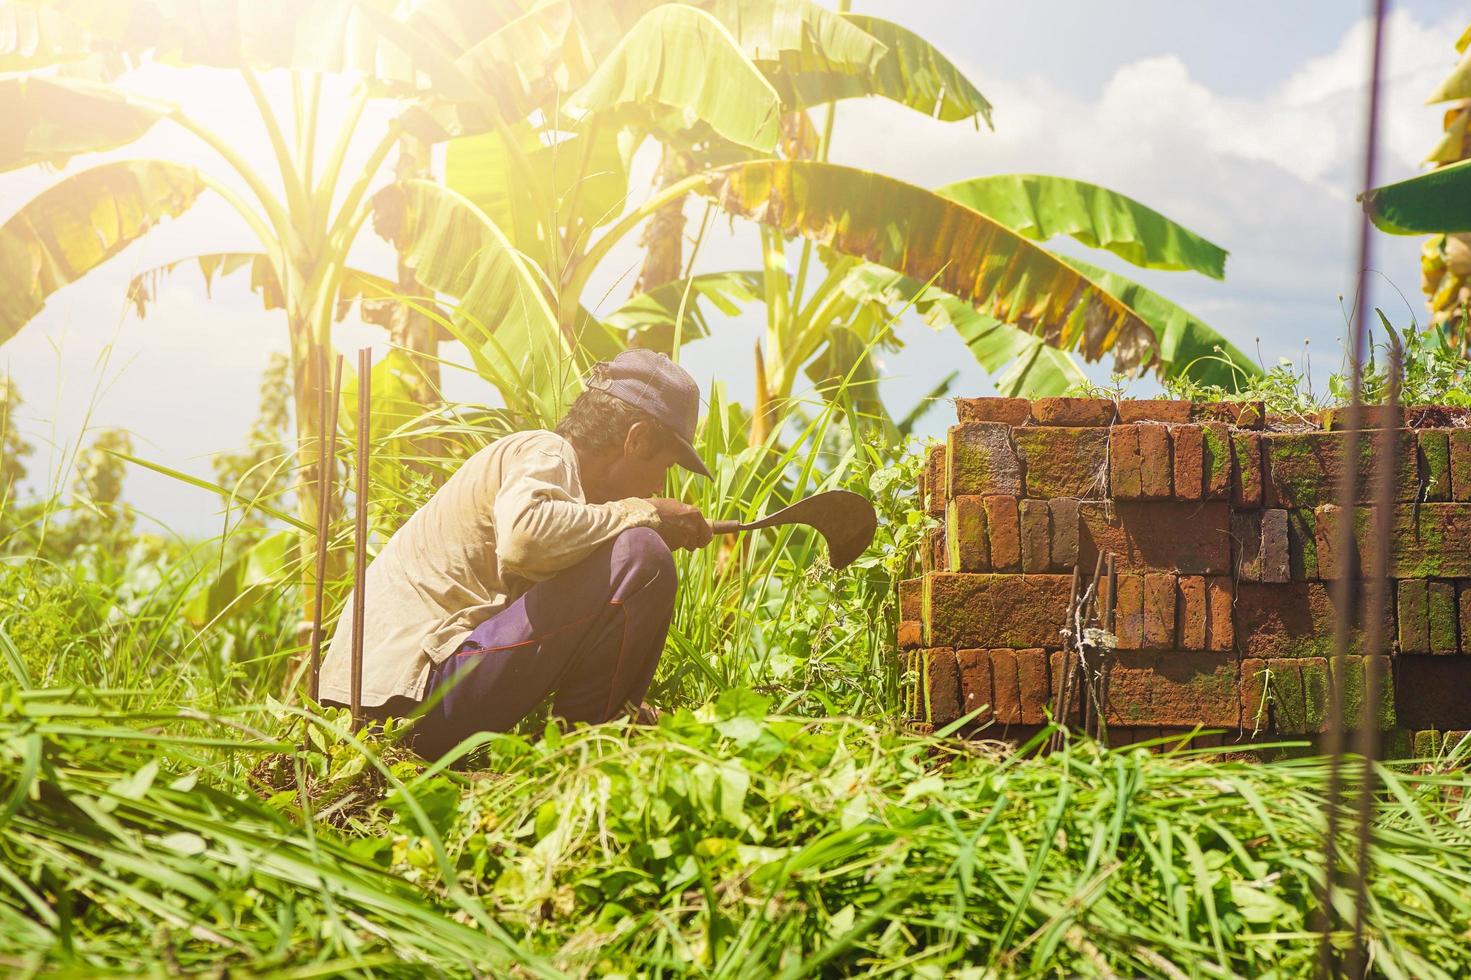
311	369
663	236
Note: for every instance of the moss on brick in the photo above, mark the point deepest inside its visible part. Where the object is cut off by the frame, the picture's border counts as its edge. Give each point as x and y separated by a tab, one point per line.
1435	464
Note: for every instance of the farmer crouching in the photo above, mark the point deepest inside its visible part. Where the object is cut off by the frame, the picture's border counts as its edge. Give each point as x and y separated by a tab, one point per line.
541	567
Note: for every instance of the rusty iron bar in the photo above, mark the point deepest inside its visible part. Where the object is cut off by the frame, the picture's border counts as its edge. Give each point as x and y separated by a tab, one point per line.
1345	588
1110	623
326	463
360	529
1073	631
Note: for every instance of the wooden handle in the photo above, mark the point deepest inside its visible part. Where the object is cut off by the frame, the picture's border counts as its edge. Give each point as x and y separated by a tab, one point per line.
725	527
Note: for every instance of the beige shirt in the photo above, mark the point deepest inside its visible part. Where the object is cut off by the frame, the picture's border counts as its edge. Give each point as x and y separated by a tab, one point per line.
513	514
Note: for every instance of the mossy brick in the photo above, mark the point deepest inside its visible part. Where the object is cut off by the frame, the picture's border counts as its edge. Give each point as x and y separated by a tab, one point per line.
1036	536
1159	611
976	690
1156	463
1014	611
1064	519
1165	536
1396	744
1243	415
911	599
1129	612
1189	448
1427	743
1412	621
1284	689
1337	557
1011	411
1302	544
1173	688
1217	460
1276	563
1004	533
1033	687
980	458
1246	545
966	541
1154	410
1435	464
940	680
1440	607
1006	687
1459	444
1125	475
1316	692
1063	461
1220	602
1426	541
1463	600
1294	619
1256	709
1355	684
911	634
1191	611
936	484
1304	469
1246	470
1073	411
1370	417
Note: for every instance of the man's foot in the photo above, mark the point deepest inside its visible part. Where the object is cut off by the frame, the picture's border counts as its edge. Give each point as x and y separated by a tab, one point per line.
646	714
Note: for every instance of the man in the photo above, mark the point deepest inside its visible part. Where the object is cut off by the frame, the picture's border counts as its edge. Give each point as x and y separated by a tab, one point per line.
541	567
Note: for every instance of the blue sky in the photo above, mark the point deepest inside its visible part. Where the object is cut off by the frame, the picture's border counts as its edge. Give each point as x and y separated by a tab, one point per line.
1240	119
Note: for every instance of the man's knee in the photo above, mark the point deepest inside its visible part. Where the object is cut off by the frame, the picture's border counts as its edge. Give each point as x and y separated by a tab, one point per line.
641	554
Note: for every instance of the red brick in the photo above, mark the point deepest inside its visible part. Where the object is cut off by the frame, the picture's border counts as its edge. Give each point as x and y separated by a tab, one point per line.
1440	606
1154	410
1463	597
1432	691
934	557
1064	513
1220	596
1246	545
1155	461
911	599
1073	411
1256	710
1217	460
1007	687
1159	611
1125	469
979	458
1011	411
1036	536
1189	443
976	688
1129	612
1190	603
966	541
936	484
1276	560
1370	417
1175	536
1016	611
1438	416
1303	469
941	686
1426	541
1004	532
1246	470
1063	461
1031	676
1174	688
1294	619
911	634
1243	415
1460	448
1412	621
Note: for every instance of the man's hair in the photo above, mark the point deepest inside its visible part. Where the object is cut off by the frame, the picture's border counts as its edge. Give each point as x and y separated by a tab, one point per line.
599	422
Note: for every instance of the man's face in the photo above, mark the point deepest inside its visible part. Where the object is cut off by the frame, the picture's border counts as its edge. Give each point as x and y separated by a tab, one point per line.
641	471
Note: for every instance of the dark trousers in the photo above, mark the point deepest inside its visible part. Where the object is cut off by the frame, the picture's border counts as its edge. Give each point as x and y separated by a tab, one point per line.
592	636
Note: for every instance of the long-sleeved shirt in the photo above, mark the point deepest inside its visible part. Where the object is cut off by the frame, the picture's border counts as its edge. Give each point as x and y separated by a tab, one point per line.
513	514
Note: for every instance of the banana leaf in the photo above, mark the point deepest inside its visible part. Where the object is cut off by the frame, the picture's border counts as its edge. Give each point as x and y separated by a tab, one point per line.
931	239
792	37
649	319
501	314
50	119
254	574
1187	346
1042	207
678	59
71	228
38	37
1432	203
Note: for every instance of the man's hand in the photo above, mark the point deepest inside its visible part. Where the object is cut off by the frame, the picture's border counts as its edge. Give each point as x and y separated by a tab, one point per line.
681	525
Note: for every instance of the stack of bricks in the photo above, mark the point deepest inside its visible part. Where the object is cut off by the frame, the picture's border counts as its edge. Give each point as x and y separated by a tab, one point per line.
1225	531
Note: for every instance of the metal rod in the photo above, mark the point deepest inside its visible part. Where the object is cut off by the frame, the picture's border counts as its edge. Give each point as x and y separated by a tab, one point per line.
1110	622
1344	586
326	464
360	529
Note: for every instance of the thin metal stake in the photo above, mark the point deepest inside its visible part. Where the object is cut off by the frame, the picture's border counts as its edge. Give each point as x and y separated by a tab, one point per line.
326	461
360	529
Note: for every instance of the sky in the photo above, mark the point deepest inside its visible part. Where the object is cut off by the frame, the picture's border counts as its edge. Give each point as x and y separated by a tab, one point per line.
1241	120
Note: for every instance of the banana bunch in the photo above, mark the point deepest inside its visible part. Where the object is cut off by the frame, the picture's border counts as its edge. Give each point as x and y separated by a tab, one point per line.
1445	260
